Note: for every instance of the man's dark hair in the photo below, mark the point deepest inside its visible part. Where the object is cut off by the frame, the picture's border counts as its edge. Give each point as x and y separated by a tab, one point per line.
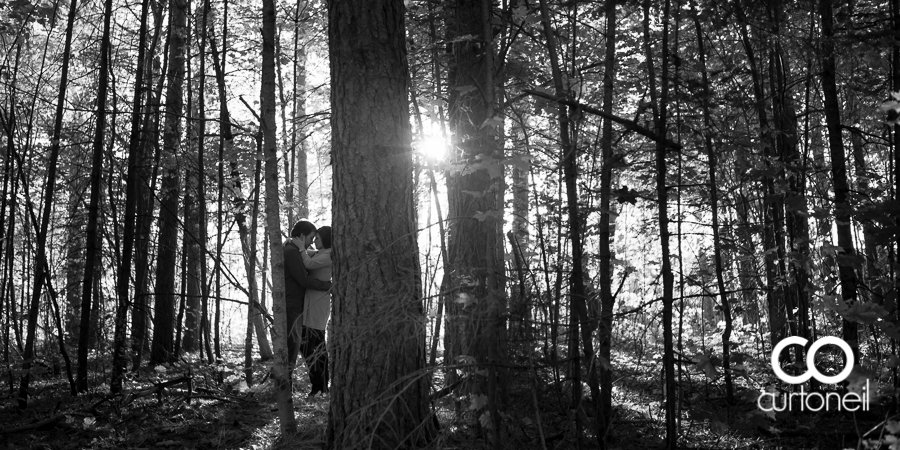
325	234
302	228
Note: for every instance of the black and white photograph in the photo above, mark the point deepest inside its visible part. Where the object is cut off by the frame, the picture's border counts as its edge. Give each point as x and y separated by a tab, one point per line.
450	224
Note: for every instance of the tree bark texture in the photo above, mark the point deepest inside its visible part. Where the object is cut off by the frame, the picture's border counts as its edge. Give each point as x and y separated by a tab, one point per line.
379	387
162	349
476	304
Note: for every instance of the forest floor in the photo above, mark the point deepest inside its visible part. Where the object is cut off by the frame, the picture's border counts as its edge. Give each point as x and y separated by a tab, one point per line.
204	414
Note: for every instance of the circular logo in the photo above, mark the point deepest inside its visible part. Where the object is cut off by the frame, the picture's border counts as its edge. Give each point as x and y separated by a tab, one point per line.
811	371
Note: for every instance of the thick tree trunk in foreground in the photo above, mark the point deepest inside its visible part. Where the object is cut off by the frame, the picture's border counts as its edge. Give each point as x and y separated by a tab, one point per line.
379	389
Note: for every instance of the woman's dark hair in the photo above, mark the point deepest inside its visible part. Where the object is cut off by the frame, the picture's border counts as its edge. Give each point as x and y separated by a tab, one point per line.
302	228
325	234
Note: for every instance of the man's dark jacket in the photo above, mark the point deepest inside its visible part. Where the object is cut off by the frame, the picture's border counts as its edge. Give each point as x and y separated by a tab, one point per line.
297	280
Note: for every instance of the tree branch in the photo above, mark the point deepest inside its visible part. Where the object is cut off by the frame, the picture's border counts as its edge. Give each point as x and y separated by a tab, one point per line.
630	125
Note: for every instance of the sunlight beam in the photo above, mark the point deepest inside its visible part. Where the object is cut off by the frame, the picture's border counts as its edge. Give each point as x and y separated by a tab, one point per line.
434	148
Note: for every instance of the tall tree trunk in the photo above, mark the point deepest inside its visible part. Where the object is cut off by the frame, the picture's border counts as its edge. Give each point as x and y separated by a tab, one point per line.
28	353
288	151
895	147
131	181
8	288
842	213
201	195
875	277
300	180
247	236
475	240
872	279
772	204
520	308
75	247
95	329
280	371
140	317
220	188
93	237
437	70
712	165
6	230
797	225
54	306
162	349
578	308
195	320
662	203
379	398
191	337
265	350
179	317
605	230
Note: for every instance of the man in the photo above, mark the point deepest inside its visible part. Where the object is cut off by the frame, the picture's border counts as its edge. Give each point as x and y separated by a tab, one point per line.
296	282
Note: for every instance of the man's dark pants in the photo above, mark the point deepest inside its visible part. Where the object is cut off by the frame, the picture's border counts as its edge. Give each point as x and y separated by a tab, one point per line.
316	356
294	337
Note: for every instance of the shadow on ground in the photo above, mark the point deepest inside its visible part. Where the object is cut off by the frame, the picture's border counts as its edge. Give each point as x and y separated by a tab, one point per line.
206	416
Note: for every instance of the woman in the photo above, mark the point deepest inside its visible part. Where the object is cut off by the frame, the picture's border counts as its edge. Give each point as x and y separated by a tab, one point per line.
316	308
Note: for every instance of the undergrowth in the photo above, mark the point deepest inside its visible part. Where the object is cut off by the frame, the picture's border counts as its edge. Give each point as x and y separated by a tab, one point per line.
539	412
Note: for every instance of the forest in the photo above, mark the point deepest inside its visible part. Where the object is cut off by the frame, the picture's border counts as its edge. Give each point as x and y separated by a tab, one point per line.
567	224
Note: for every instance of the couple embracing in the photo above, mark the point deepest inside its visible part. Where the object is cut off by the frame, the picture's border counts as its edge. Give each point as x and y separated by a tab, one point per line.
307	279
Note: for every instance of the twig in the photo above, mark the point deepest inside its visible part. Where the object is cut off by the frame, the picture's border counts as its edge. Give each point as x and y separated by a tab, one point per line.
157	388
241	97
